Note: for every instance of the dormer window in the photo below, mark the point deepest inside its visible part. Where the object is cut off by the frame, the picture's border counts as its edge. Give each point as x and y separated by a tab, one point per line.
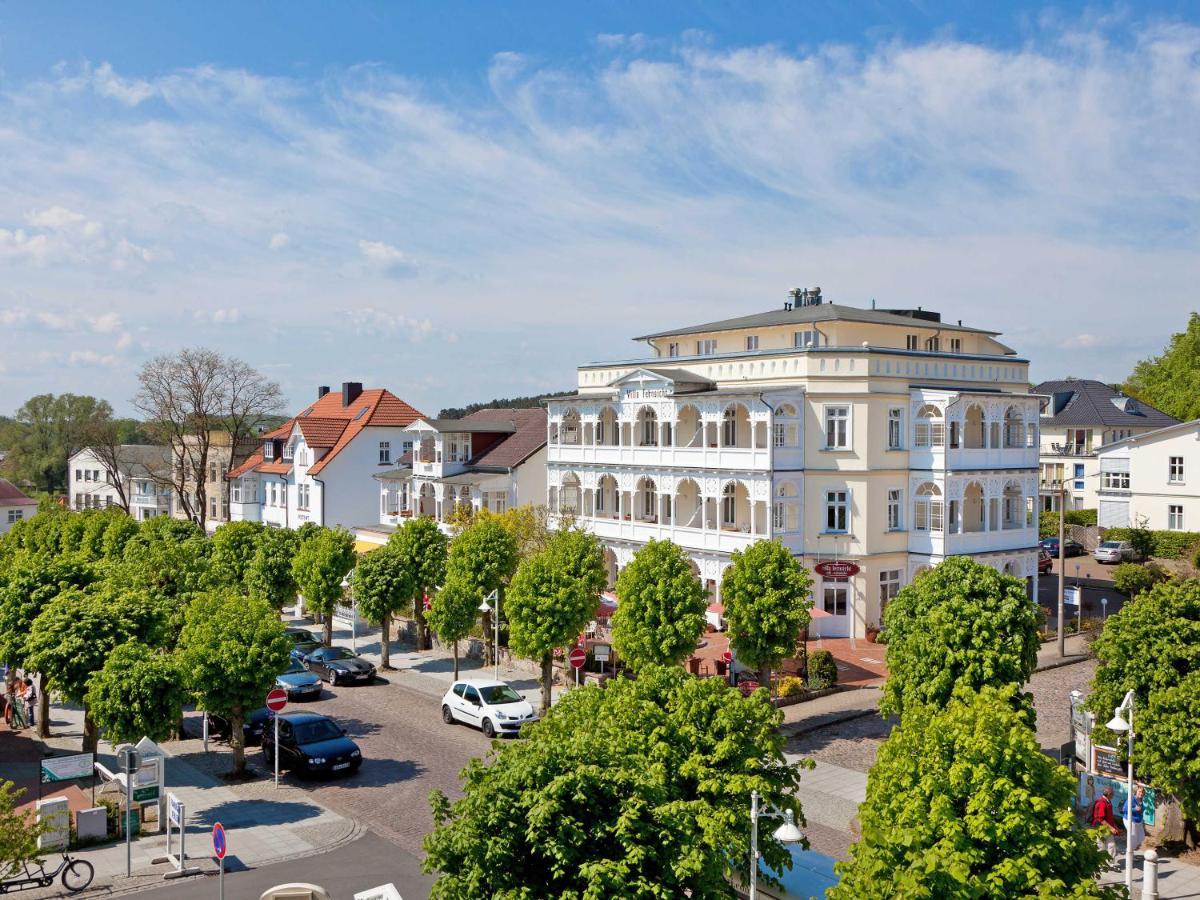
268	449
288	451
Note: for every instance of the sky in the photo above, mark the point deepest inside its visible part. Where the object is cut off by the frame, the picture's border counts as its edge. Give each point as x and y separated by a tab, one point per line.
461	201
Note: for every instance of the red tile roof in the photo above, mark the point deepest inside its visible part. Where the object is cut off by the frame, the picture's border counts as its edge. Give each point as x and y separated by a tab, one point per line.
11	495
333	426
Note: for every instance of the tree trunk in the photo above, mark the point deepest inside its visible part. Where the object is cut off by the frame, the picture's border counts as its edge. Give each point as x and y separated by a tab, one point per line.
90	736
43	710
237	742
422	628
328	630
385	647
456	660
547	681
764	678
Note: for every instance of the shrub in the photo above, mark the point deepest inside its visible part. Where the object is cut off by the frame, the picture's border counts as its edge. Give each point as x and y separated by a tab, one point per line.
1163	544
1131	579
822	670
1196	558
791	686
1048	520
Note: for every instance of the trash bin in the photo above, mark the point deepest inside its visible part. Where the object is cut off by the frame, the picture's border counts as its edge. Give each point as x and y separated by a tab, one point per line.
694	665
722	668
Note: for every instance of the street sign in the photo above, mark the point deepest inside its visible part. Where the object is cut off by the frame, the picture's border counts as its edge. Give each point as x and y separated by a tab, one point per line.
727	656
836	568
145	794
66	768
602	652
1071	595
577	657
276	699
174	810
130	760
218	839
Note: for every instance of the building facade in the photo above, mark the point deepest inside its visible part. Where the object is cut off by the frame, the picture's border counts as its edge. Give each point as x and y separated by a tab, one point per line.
1152	478
15	506
143	472
220	461
317	466
885	440
492	459
1078	417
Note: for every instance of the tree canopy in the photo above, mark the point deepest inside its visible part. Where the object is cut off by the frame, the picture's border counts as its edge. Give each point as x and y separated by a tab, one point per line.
382	587
423	548
962	803
1171	382
454	612
661	613
45	431
637	790
319	566
961	622
234	545
766	593
138	693
269	575
18	832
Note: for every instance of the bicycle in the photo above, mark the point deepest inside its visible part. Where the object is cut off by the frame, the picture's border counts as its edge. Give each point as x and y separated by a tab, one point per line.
77	874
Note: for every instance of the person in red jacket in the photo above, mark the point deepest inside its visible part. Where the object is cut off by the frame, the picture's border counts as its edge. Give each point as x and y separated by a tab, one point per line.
1102	817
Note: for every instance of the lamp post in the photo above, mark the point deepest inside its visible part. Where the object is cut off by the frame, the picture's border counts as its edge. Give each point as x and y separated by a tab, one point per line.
494	596
1118	723
787	833
1103	609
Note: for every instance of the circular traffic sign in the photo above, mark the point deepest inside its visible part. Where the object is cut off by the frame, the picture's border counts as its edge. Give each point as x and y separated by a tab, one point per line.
577	657
276	699
727	656
219	840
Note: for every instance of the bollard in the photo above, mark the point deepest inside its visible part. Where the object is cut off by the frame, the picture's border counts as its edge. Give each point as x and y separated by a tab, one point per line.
1150	876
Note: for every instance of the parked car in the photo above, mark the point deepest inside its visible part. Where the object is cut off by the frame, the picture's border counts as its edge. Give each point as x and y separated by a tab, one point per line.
1045	561
299	683
311	744
303	641
337	665
1114	552
1070	547
254	724
490	705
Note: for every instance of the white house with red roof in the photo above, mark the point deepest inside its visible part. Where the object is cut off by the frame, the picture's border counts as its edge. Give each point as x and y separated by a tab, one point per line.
14	506
317	466
492	459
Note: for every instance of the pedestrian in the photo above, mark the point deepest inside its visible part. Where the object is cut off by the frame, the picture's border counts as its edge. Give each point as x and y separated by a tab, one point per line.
1138	827
16	705
30	702
1102	817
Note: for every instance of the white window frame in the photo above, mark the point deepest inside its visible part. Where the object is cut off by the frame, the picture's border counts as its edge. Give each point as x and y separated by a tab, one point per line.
895	425
385	453
268	449
706	347
752	342
956	345
805	339
1175	517
912	342
1114	481
829	416
673	348
835	588
1175	470
889	586
837	511
895	506
303	496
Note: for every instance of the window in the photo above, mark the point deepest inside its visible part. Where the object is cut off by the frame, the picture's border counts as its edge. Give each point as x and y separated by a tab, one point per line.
729	427
79	475
1115	481
499	501
385	453
268	449
779	517
406	447
1175	518
837	511
911	342
932	344
15	515
212	507
236	491
288	451
836	596
956	345
893	509
673	348
889	587
1175	470
706	347
837	427
752	342
212	471
729	505
927	510
895	434
87	474
779	434
811	338
302	496
95	474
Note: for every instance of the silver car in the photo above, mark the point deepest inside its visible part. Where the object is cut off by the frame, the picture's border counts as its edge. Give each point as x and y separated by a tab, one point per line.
1114	552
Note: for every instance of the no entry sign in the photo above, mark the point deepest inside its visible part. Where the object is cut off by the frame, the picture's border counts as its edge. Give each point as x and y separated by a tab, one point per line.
276	699
727	656
577	657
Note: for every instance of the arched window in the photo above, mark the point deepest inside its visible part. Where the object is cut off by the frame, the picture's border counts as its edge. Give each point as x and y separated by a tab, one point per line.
929	430
569	433
569	495
928	514
1014	428
647	427
786	426
1014	506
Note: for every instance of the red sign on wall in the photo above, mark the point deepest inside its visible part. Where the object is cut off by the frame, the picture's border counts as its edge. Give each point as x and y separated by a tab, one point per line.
836	568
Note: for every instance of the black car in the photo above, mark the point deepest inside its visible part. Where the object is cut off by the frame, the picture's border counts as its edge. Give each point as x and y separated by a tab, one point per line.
337	665
254	723
1070	547
299	683
303	641
311	744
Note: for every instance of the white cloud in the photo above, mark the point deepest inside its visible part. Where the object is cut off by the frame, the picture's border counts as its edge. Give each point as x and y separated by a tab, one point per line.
227	316
279	240
55	217
91	358
378	251
367	320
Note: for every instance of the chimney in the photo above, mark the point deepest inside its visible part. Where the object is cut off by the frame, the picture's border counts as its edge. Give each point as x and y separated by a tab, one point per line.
322	391
350	392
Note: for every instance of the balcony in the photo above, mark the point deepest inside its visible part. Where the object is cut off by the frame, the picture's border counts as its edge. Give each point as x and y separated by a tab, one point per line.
938	543
245	512
723	540
951	459
1071	450
742	459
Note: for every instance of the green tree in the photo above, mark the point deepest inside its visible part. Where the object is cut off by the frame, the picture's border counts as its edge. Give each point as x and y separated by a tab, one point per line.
636	790
552	597
1171	382
18	833
766	593
319	566
79	629
232	648
962	622
454	611
485	555
661	613
233	547
269	575
962	803
382	587
48	430
422	547
138	693
118	533
1170	733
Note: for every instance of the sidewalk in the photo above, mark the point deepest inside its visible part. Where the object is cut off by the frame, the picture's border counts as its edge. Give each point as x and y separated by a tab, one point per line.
263	824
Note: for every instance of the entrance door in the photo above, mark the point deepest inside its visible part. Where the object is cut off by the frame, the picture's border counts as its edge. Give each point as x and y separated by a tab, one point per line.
835	600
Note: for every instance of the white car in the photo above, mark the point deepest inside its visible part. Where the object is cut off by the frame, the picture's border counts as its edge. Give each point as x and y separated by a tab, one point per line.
487	704
1114	552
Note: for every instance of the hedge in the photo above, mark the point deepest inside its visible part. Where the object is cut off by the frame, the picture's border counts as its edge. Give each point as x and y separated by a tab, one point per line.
1163	544
1048	520
822	670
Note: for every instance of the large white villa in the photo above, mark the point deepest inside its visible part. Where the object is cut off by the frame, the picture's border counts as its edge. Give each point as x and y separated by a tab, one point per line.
885	440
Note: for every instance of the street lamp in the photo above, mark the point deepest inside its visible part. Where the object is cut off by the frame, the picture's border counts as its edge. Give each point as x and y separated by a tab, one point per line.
787	833
1103	609
1119	724
494	596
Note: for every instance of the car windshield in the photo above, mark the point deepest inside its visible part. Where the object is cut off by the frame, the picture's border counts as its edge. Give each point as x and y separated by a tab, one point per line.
294	669
318	730
1110	545
499	694
339	653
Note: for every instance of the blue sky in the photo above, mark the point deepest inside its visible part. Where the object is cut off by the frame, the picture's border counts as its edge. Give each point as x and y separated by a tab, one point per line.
459	201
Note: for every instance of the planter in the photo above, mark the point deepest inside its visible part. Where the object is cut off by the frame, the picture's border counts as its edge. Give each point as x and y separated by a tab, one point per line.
872	634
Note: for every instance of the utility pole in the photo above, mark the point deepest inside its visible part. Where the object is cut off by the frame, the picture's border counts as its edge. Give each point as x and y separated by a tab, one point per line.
1062	567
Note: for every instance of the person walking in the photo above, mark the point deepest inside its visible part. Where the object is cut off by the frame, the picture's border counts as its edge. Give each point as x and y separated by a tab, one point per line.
1102	817
30	701
1138	825
16	704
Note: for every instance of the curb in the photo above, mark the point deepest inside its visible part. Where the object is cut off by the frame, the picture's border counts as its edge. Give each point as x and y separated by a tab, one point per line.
799	729
1060	663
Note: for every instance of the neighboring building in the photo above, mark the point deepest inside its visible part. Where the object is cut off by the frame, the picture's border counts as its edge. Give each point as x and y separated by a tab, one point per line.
1078	417
1153	477
221	460
317	467
143	472
492	459
14	506
888	439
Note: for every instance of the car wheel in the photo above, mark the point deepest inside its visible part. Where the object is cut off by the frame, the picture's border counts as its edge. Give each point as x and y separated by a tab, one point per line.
488	728
447	714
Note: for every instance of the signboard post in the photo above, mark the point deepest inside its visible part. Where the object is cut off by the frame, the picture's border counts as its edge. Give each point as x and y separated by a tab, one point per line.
130	761
219	847
577	657
176	816
276	700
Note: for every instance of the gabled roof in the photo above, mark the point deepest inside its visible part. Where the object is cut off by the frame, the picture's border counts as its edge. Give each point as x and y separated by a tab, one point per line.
1147	437
138	459
332	426
1082	402
11	495
527	437
467	425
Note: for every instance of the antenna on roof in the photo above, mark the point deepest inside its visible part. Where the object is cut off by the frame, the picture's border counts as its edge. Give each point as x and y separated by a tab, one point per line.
872	303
